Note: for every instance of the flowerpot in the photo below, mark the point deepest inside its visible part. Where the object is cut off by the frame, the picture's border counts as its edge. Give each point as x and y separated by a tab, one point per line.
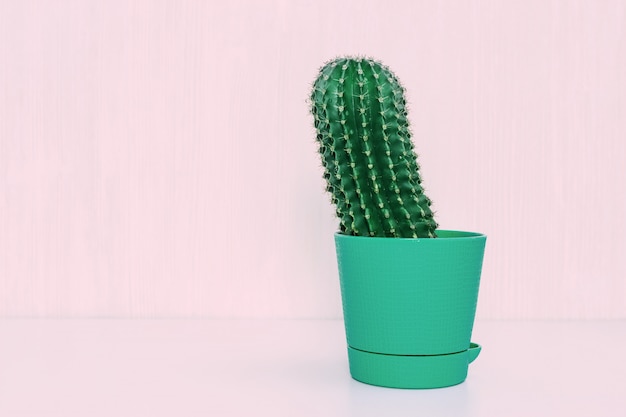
409	307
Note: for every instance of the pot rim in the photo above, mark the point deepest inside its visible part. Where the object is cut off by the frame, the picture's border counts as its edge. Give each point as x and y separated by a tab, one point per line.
447	234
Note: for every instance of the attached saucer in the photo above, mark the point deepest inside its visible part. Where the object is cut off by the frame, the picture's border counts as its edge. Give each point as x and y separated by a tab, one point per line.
404	371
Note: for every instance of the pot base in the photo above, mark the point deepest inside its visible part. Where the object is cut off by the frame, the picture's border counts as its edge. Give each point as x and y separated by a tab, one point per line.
404	371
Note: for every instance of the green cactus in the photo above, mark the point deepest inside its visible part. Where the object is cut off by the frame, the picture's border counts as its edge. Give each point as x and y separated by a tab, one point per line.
364	140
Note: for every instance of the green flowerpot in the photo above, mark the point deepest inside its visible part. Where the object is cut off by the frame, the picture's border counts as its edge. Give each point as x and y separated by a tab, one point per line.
409	307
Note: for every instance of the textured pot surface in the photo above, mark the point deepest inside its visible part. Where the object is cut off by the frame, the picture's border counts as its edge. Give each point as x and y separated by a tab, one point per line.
410	297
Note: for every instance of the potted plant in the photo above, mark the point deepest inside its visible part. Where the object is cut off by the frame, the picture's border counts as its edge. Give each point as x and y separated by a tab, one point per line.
409	290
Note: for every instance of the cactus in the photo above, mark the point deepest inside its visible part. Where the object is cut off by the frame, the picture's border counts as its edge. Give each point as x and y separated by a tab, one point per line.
365	144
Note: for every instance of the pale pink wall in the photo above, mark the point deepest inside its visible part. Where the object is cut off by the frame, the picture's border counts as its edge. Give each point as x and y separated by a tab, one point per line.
157	158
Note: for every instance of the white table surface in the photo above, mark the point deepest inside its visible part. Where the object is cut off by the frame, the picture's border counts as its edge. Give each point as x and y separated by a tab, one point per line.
186	367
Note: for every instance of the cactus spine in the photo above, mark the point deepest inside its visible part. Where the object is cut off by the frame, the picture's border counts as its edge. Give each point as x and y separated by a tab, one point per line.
365	144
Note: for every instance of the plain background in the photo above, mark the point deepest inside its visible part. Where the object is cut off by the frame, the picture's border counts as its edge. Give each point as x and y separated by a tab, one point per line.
157	158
